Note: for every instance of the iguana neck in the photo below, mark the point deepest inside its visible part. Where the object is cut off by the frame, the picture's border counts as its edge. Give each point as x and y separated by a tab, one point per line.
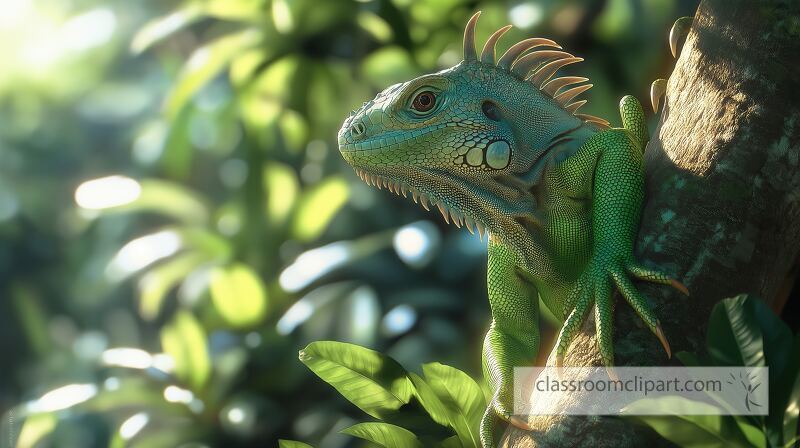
517	221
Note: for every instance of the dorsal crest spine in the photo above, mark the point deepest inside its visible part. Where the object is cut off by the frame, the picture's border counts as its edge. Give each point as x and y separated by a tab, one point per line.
536	67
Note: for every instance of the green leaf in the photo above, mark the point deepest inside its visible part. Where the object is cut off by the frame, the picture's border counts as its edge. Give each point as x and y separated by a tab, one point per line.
317	207
463	398
185	341
690	430
283	443
36	428
384	434
172	199
734	337
375	25
267	91
281	187
205	241
283	16
430	401
368	379
451	442
147	195
294	129
170	433
777	337
145	250
744	331
154	286
163	27
389	65
239	10
615	19
752	435
166	198
791	413
238	295
134	393
176	156
32	318
207	62
246	65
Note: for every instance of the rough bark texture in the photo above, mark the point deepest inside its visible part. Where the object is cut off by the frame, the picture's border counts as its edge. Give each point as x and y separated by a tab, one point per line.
723	209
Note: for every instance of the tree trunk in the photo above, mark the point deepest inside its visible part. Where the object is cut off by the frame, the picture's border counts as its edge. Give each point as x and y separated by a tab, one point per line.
723	208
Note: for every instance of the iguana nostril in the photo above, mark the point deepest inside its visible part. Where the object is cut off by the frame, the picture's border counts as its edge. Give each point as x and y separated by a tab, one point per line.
358	129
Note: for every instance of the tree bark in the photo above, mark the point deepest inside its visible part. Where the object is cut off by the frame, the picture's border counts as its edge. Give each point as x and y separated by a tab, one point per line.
723	208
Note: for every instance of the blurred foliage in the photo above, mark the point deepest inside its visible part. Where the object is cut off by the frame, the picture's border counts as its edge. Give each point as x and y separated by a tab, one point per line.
742	331
175	222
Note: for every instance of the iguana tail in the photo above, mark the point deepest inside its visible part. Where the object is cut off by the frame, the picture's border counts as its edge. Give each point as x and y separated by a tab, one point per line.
633	120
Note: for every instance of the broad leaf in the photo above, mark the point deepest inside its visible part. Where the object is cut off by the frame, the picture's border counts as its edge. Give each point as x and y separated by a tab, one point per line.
384	434
690	430
318	206
134	392
169	199
782	355
240	10
389	64
372	381
462	397
734	337
185	340
754	436
163	27
156	284
148	195
238	295
792	392
190	12
429	400
451	442
280	187
777	337
206	63
35	429
203	240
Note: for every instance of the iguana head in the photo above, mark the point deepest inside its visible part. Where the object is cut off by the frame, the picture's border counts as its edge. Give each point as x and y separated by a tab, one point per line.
470	139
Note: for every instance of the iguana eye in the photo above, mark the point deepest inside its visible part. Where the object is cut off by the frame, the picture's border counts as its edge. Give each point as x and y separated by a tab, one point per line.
490	111
424	101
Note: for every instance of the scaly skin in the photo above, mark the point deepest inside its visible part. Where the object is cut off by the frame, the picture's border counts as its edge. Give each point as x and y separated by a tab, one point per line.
559	194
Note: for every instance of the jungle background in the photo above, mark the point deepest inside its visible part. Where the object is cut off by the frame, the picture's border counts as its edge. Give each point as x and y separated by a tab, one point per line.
176	222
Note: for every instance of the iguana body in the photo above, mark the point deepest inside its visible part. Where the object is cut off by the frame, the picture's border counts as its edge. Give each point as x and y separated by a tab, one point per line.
494	145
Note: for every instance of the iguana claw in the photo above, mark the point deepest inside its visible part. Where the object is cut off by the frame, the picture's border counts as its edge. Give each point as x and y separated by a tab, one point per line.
663	339
612	375
679	29
679	286
519	423
657	90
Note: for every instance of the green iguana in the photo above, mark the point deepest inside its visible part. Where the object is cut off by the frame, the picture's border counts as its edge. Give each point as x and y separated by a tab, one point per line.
496	145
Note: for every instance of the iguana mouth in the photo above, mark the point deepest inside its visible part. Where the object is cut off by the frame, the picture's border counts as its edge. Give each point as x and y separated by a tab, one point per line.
426	200
382	142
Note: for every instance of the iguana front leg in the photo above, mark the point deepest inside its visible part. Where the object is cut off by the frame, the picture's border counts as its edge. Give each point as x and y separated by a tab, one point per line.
513	337
610	164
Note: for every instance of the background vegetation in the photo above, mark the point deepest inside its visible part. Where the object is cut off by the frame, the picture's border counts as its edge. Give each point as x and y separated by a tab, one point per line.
176	223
